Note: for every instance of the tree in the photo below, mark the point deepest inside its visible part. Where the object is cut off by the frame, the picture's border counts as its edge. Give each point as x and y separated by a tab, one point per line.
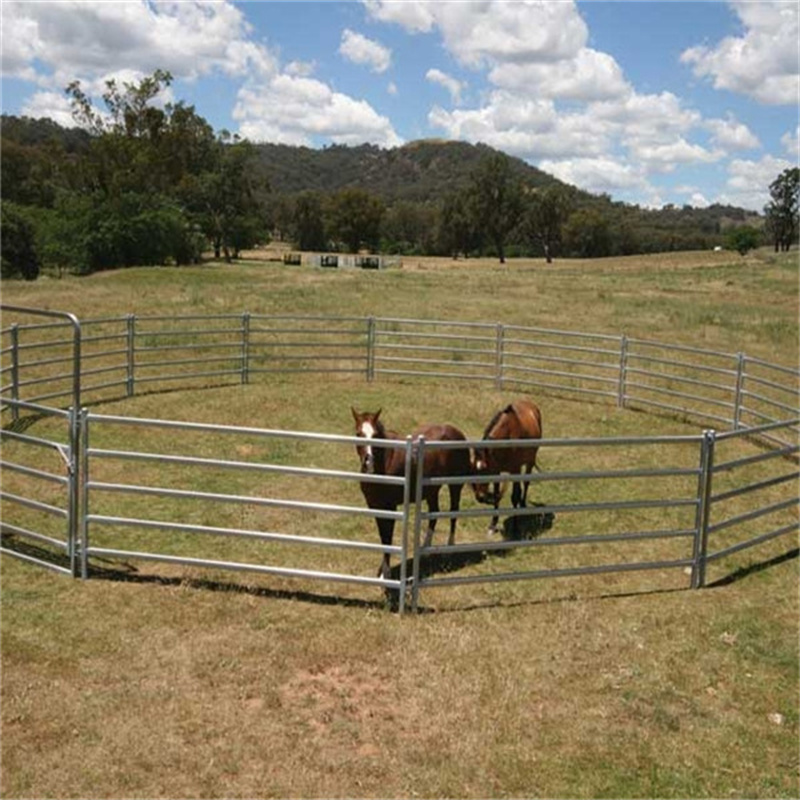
19	258
496	200
587	234
546	211
782	210
457	232
308	226
743	239
355	219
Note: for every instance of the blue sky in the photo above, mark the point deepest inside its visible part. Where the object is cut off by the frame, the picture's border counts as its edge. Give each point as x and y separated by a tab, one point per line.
650	102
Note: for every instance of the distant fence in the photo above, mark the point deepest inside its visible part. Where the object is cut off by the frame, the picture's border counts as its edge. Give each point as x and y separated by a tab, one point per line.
61	505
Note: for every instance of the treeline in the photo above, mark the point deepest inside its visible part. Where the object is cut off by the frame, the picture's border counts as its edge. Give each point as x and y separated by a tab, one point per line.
137	184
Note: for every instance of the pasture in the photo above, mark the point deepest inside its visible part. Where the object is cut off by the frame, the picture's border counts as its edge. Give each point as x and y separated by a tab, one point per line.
175	682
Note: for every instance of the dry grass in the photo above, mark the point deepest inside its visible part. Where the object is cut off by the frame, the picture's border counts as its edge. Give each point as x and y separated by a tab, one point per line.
182	683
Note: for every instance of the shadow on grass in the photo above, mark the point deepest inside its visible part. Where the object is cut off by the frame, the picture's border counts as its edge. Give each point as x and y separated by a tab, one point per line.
437	563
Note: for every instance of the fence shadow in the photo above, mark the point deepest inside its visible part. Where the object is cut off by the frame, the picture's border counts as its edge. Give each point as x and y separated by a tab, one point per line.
751	569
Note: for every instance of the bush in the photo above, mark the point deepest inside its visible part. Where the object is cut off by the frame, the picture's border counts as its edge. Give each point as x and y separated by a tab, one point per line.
743	239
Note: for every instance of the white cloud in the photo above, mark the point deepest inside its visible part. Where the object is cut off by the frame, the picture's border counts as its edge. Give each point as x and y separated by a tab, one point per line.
492	31
89	41
791	143
598	174
748	181
763	63
357	48
453	85
293	110
415	17
523	127
53	105
590	75
729	134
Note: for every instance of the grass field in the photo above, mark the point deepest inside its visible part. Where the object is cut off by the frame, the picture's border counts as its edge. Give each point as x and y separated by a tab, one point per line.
182	683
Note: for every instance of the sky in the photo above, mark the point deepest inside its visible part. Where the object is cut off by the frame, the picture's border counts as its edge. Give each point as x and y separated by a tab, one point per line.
650	102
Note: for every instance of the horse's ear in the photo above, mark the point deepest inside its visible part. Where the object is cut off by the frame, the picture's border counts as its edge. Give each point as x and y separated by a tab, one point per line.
509	409
377	414
354	413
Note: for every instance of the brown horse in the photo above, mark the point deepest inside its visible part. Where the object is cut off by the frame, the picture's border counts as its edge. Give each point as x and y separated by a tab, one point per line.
520	420
391	461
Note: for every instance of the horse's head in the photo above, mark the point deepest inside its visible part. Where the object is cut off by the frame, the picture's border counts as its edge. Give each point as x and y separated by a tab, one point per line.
481	464
368	427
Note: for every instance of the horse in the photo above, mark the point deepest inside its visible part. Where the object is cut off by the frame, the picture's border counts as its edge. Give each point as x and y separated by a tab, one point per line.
522	419
391	461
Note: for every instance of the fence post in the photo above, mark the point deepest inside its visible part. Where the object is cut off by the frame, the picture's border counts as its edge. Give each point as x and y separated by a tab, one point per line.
246	347
73	488
737	400
499	352
420	460
370	349
131	339
82	490
623	371
15	370
409	455
703	509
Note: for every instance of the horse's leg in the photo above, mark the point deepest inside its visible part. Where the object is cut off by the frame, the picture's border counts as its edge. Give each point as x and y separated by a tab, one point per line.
455	504
526	485
516	501
493	525
386	532
433	508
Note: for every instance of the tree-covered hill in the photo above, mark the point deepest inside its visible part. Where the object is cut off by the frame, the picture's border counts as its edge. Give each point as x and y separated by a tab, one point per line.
421	171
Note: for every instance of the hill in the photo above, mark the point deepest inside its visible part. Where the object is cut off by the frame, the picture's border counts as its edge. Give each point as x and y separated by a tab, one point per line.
420	171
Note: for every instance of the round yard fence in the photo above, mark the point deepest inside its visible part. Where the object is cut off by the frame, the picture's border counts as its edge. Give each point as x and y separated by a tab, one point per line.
82	488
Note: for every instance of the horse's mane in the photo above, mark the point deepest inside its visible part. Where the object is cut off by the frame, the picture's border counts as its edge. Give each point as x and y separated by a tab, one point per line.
495	419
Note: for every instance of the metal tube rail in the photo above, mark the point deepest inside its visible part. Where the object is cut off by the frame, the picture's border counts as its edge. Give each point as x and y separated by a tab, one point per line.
769	401
267	536
432	374
573	348
544	477
617	505
246	466
36	505
559	387
754	487
268	502
774	425
557	373
608	337
589	538
564	572
34	440
675	393
39	537
237	566
764	537
31	472
751	515
681	348
747	460
556	360
680	379
681	409
38	561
